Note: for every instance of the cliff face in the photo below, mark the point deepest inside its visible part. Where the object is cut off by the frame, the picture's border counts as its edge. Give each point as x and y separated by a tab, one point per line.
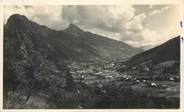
31	65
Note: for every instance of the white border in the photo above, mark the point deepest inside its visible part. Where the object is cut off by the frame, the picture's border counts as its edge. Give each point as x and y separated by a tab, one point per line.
89	2
182	60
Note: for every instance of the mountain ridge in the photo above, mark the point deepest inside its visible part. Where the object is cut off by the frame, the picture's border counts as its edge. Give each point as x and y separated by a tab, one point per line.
162	57
44	68
81	44
169	50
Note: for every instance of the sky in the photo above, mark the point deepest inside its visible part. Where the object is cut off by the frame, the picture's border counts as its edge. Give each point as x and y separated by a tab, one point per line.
138	25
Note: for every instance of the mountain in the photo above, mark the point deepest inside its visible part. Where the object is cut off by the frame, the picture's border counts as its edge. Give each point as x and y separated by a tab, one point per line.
72	43
166	54
102	46
31	63
36	73
35	57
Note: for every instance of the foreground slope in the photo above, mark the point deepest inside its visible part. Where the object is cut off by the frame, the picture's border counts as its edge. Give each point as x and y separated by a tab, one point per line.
167	51
163	60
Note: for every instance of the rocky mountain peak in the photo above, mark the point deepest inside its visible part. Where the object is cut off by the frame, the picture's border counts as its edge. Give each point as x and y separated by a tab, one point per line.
17	19
74	29
73	26
16	22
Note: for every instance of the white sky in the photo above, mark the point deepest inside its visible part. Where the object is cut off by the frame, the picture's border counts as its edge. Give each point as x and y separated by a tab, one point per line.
138	25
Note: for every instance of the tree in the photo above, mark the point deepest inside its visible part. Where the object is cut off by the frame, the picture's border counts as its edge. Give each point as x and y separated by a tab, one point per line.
69	81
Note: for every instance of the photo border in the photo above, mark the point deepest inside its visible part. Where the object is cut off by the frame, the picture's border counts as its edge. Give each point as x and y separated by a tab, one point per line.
93	2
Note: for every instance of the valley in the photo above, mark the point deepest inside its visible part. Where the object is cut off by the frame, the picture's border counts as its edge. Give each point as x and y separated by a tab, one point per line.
76	69
98	74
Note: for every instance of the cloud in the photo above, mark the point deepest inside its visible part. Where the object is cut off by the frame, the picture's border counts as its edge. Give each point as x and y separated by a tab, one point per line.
136	22
159	11
148	37
110	21
153	28
150	6
108	18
